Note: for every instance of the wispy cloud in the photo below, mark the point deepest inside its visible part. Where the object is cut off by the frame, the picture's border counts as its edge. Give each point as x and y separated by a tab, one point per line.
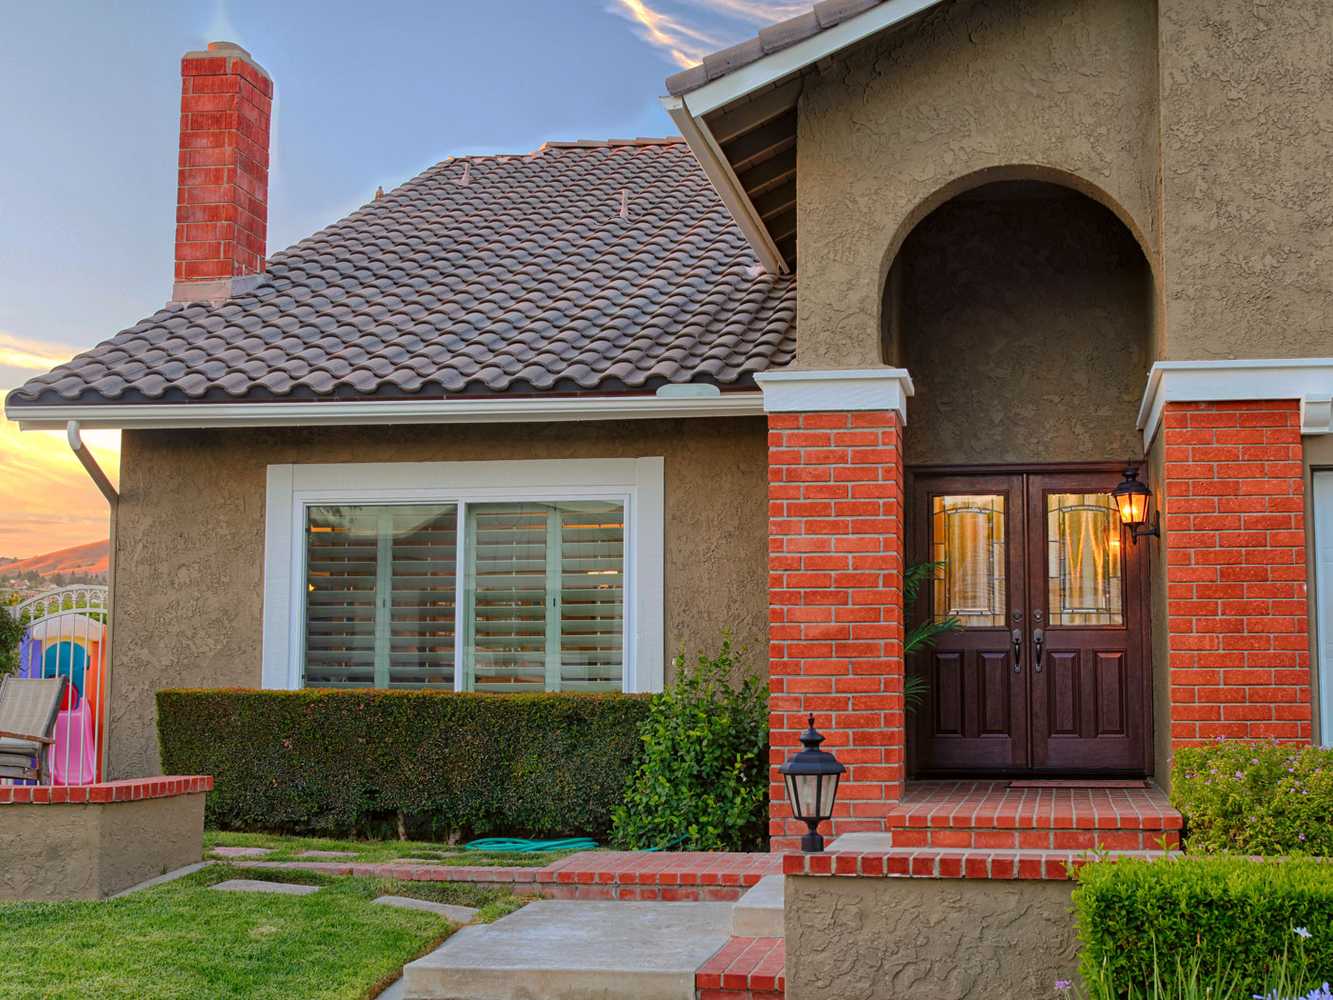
688	30
31	355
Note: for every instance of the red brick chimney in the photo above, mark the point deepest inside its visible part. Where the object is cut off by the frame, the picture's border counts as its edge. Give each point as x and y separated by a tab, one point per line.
222	194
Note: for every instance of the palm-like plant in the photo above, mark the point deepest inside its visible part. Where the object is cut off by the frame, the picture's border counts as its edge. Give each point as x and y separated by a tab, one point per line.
923	634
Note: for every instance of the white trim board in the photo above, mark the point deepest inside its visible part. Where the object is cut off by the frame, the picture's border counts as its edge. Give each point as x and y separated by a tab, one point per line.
853	389
384	411
637	482
1308	379
1323	588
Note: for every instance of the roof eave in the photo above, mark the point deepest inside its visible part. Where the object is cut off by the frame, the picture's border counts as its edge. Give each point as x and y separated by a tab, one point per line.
724	180
165	416
688	109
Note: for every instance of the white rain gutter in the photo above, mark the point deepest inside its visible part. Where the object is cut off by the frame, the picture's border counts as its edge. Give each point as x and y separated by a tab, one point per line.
688	110
155	416
90	465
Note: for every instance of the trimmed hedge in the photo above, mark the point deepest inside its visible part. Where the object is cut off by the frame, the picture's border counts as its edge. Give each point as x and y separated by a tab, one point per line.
438	764
1255	798
1235	916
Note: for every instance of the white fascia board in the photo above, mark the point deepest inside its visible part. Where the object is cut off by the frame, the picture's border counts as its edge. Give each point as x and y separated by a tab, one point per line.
852	389
1308	379
784	63
153	416
699	137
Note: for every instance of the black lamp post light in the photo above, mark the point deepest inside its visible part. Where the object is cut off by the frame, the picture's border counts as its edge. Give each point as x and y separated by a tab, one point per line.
812	777
1134	500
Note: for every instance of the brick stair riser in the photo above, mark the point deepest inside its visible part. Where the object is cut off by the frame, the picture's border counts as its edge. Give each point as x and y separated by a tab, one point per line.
738	995
1119	839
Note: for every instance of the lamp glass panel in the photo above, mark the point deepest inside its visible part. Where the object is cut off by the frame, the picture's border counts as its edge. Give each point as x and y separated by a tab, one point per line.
803	789
968	539
828	791
1084	560
1133	507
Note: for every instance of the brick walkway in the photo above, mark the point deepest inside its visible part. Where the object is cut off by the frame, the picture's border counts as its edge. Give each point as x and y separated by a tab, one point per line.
671	877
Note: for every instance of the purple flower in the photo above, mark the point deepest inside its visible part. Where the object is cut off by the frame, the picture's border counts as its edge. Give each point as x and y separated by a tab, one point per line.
1062	985
1301	933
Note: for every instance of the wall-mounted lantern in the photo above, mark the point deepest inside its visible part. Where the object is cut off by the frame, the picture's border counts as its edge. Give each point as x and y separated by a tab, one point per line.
1134	500
812	777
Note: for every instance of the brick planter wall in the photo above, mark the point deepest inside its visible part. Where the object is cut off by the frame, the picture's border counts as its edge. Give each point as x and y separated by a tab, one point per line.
835	607
1234	540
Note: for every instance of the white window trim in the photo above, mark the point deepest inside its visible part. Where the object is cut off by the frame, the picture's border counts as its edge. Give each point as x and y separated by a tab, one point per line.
1323	589
636	482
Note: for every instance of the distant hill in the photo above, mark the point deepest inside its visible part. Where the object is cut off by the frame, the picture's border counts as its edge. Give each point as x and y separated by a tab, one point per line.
86	560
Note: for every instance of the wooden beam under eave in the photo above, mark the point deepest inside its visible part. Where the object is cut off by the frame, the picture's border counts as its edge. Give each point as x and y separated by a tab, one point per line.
757	111
762	143
782	227
776	200
769	174
788	250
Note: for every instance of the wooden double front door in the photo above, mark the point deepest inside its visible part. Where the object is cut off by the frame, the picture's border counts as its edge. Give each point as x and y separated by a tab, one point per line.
1047	672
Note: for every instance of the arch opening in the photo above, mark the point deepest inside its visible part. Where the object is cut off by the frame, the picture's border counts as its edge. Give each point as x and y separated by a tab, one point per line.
1024	311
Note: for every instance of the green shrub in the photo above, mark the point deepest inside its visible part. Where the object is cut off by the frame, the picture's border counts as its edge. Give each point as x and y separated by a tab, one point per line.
1255	798
11	632
435	764
1226	918
703	783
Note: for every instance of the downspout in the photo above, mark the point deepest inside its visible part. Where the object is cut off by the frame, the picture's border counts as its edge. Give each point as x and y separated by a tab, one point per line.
103	484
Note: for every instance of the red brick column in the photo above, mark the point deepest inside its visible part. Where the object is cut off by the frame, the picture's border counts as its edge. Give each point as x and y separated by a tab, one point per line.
835	607
1234	539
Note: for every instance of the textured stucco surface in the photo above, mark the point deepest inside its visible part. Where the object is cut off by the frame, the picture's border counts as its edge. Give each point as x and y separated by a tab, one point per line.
1247	138
54	852
1022	312
980	90
190	540
947	939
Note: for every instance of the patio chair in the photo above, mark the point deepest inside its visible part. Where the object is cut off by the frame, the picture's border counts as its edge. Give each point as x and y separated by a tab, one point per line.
28	711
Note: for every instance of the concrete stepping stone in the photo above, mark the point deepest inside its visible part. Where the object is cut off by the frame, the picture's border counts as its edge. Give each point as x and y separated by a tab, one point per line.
759	912
869	843
256	885
241	852
454	914
575	950
335	855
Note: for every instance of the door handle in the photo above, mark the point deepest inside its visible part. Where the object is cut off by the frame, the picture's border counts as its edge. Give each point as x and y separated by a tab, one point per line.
1038	637
1018	650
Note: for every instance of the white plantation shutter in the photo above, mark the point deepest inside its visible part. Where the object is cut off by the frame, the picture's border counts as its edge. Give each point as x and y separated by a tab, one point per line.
592	596
380	593
545	596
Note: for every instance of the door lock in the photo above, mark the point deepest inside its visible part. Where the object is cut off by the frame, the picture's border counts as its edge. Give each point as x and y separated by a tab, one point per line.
1018	650
1038	637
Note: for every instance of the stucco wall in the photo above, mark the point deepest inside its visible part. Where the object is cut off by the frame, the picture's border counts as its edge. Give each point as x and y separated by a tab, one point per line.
55	852
190	540
947	939
1022	313
1064	89
1247	138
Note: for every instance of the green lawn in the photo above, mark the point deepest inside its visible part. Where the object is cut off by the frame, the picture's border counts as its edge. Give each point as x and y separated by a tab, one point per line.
184	940
287	849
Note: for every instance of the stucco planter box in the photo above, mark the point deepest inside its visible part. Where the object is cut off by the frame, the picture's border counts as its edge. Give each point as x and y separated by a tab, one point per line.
91	841
947	938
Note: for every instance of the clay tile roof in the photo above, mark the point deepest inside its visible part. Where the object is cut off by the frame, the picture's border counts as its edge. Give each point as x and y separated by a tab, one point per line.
774	38
607	266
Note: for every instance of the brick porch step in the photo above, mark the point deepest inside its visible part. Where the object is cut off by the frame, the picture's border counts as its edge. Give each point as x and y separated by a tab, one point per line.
989	815
746	968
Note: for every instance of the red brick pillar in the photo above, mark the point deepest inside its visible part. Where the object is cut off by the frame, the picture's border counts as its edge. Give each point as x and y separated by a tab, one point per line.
1234	538
835	599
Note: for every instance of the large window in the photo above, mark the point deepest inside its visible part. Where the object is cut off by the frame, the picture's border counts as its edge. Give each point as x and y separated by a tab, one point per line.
487	576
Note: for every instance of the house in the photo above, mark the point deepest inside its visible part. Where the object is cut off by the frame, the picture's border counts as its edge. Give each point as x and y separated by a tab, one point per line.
917	281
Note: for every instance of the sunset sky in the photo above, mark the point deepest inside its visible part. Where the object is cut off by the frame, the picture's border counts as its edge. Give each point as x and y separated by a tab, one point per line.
366	96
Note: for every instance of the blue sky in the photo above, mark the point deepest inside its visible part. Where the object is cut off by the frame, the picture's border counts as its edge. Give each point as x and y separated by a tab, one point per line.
366	95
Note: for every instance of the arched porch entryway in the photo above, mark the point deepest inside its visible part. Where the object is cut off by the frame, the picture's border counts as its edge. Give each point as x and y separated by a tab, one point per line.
1024	311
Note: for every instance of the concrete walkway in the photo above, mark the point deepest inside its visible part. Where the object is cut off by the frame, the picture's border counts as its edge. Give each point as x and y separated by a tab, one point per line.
570	950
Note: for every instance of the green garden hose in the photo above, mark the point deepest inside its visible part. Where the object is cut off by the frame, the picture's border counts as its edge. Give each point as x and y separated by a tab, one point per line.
517	845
